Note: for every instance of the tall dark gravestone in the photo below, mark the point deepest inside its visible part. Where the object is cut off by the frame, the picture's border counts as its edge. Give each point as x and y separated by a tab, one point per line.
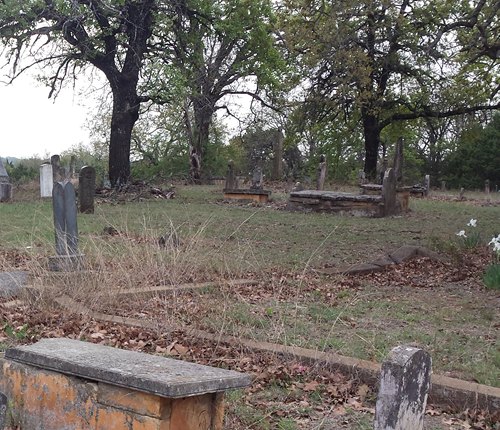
86	190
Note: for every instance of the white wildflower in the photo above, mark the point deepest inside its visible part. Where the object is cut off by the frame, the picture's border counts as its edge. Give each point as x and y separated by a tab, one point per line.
461	233
472	223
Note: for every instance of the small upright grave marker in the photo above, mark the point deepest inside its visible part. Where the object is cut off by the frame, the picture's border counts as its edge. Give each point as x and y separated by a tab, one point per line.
231	179
257	179
86	189
398	160
58	172
5	185
404	388
427	184
46	180
389	193
320	183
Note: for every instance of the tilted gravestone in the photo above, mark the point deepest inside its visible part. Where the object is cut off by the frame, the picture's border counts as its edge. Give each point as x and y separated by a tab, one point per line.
231	179
46	180
86	189
66	229
398	160
404	387
389	193
320	183
5	185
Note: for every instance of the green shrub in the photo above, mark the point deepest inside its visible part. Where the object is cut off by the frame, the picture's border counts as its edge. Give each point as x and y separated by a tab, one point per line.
491	277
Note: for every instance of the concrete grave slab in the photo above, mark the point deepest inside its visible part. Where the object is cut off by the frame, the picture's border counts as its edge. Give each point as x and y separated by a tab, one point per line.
134	370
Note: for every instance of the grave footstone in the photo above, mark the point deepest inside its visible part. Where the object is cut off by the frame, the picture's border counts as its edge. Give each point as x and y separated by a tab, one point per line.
46	180
86	189
404	387
320	183
66	229
5	185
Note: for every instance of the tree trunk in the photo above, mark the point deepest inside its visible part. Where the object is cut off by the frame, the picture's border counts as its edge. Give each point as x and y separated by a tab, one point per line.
371	131
202	119
124	115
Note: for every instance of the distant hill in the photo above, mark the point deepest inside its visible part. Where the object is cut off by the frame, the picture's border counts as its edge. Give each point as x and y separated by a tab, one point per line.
13	160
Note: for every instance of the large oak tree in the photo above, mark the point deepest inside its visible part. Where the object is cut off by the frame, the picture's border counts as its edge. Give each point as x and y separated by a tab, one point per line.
392	60
65	36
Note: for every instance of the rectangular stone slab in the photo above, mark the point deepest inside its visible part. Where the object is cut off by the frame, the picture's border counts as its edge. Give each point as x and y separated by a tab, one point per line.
144	372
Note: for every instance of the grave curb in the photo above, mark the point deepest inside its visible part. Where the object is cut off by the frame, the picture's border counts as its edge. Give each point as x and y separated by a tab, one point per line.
453	394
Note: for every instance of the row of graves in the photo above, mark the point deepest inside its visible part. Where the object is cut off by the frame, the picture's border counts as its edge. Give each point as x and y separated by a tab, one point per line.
374	200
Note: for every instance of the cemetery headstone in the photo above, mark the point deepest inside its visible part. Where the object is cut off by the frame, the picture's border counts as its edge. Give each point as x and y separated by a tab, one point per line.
278	156
462	194
231	179
320	183
72	166
257	179
487	189
389	193
361	177
46	180
427	184
58	172
86	189
66	230
443	185
383	169
5	185
398	160
404	388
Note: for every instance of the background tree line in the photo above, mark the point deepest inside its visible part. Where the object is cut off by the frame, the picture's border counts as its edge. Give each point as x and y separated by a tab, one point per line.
344	78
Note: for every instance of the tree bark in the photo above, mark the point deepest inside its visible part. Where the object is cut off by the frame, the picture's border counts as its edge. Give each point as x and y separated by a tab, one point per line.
203	113
124	116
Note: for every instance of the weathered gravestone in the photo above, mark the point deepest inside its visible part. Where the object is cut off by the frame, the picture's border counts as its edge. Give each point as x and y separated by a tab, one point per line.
404	387
58	172
398	160
320	183
72	166
66	230
5	185
86	189
427	184
257	179
389	196
231	179
46	180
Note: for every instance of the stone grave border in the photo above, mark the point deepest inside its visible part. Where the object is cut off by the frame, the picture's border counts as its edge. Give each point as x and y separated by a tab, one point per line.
452	393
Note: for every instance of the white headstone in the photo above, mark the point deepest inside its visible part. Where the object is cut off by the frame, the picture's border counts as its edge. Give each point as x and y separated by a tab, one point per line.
46	180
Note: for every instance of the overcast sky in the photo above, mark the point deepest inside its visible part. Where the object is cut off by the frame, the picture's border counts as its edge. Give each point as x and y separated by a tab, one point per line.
31	124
